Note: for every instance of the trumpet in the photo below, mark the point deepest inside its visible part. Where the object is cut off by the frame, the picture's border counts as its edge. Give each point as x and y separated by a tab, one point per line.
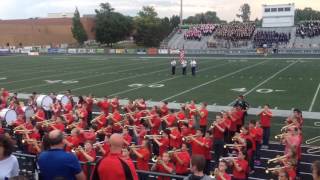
78	149
73	125
135	146
183	120
130	127
23	131
170	128
228	158
233	145
174	151
119	123
284	128
29	141
127	113
188	137
279	136
313	140
97	144
96	118
19	127
100	131
152	136
313	150
213	124
146	117
269	170
277	158
155	159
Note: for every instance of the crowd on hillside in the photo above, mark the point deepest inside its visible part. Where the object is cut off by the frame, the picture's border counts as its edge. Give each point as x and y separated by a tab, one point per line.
270	38
196	32
308	29
235	31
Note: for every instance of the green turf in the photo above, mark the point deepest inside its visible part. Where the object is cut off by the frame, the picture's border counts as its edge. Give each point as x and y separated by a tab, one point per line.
111	75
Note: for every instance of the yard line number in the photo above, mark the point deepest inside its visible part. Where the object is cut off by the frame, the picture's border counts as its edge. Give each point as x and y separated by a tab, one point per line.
262	91
136	85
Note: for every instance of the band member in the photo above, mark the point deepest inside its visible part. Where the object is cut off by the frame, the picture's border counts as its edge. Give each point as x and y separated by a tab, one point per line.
173	66
143	156
283	175
170	119
175	138
265	120
197	144
39	115
56	108
32	141
86	155
100	121
240	166
58	124
296	117
141	105
244	106
192	109
116	118
103	105
182	160
207	151
203	117
88	135
164	110
220	172
89	101
163	165
105	147
127	139
69	106
162	142
259	137
193	65
218	127
73	140
115	104
184	67
68	117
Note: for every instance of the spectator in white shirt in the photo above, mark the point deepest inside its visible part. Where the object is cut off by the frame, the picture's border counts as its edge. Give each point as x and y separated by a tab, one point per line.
9	166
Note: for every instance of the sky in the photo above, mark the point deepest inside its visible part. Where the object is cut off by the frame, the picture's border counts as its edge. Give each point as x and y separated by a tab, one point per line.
226	9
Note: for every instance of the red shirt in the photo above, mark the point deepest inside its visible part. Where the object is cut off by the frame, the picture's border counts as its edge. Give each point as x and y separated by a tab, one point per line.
104	106
217	134
110	168
259	134
114	104
106	148
292	173
68	107
240	114
185	157
142	163
204	118
225	175
165	145
176	143
40	113
156	121
89	104
89	136
69	118
74	140
127	138
59	126
243	173
161	169
164	110
197	149
265	119
207	150
2	130
102	121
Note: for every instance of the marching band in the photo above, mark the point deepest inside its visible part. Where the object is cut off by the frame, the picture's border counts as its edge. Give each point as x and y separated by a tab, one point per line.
169	138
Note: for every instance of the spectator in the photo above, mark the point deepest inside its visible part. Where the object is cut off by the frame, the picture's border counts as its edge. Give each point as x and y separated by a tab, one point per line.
198	164
196	32
308	29
270	38
114	166
316	170
9	166
235	31
56	163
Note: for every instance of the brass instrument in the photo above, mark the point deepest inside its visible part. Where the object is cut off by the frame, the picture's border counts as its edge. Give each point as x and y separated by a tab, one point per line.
227	158
96	118
277	158
313	150
269	170
233	145
135	146
127	113
101	130
23	131
170	128
97	144
188	137
78	149
213	124
120	122
155	159
19	127
73	125
146	117
174	151
284	128
313	140
152	136
29	141
130	127
183	120
279	136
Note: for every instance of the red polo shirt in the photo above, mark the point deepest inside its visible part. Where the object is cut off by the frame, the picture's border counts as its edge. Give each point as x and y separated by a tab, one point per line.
217	134
142	163
204	119
241	174
161	169
196	148
265	120
176	143
182	168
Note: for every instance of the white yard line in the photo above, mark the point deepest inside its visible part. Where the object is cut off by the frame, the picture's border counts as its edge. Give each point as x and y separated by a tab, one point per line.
314	98
86	77
214	80
164	80
266	80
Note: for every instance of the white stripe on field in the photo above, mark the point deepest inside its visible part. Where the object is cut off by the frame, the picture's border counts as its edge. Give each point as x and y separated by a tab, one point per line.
266	80
314	98
214	80
164	80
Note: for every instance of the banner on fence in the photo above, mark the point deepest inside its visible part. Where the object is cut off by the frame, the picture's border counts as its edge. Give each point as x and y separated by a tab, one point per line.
4	51
131	51
72	51
81	51
91	51
152	51
163	51
100	51
174	51
120	51
141	51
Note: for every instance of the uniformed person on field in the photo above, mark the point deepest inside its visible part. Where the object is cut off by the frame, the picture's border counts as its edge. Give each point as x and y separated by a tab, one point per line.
193	65
184	67
173	66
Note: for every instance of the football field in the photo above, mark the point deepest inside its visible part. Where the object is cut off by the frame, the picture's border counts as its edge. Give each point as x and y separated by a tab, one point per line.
284	83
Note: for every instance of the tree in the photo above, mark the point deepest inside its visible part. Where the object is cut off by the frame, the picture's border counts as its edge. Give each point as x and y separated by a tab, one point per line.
111	27
208	17
245	12
306	14
149	29
77	28
174	22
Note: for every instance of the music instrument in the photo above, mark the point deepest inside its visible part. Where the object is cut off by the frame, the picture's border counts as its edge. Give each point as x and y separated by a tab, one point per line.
284	128
97	144
227	158
78	149
155	159
280	136
269	170
277	158
44	101
213	124
63	99
188	137
129	127
45	123
29	141
183	120
233	145
23	131
96	118
135	146
75	124
313	140
174	151
28	111
8	115
152	136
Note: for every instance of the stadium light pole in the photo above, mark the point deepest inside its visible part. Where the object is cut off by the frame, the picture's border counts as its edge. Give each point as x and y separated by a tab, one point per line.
181	12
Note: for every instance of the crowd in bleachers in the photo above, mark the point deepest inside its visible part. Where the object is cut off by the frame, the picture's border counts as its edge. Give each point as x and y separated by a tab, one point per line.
308	29
270	38
196	32
235	31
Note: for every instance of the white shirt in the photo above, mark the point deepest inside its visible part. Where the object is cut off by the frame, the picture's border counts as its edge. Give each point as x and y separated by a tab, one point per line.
193	63
184	64
173	63
9	167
